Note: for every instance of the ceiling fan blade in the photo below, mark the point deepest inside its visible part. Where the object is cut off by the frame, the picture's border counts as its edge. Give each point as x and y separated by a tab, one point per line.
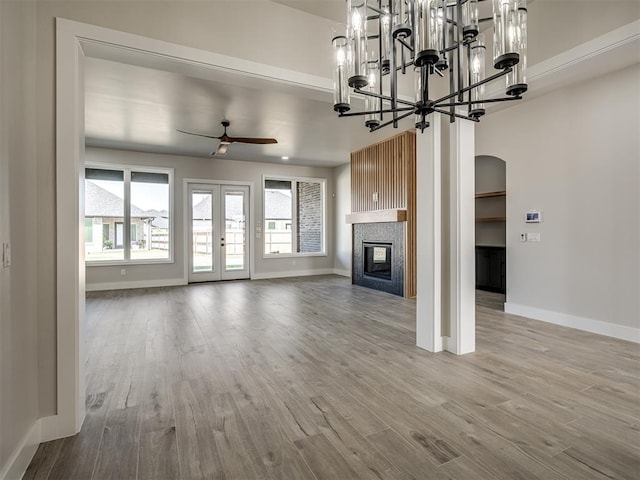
259	141
221	151
197	134
226	140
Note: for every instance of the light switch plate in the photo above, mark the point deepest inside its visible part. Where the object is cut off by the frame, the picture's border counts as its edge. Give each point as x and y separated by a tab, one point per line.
533	237
6	254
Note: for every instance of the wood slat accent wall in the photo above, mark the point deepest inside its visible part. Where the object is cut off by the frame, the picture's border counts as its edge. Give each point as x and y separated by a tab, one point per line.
388	168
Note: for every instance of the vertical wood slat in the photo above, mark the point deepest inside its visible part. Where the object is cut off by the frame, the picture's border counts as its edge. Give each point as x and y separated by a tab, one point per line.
411	231
381	168
389	168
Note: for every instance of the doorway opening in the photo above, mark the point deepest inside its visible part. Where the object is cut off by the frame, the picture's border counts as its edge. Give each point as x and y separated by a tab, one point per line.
491	217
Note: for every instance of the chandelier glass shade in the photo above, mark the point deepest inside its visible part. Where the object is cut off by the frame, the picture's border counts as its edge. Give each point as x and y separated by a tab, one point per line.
429	39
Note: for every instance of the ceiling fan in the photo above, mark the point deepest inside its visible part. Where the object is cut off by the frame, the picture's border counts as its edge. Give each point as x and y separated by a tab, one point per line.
226	140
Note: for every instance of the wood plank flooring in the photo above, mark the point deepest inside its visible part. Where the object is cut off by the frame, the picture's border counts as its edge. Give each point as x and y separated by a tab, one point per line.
313	378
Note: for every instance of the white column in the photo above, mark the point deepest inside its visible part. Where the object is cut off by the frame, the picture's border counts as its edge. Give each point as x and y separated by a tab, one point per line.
429	234
462	238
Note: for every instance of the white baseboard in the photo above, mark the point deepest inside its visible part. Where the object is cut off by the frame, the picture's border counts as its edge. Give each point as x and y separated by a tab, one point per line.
292	273
343	273
21	457
49	429
164	282
580	323
43	430
172	282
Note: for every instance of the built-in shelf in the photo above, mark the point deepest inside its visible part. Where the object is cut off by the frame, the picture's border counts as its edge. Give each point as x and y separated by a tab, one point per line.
501	193
491	219
375	216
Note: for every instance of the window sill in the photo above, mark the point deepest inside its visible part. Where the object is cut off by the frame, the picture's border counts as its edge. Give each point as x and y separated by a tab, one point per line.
115	263
293	255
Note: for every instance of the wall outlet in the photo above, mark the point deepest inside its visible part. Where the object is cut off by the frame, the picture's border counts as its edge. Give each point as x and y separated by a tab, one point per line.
375	197
533	237
123	271
523	237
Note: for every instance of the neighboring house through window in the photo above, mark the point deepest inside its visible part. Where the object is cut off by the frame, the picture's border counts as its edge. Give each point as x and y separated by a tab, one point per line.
294	216
137	230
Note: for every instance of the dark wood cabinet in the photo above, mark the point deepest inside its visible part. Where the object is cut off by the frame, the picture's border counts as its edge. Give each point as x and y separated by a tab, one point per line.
491	268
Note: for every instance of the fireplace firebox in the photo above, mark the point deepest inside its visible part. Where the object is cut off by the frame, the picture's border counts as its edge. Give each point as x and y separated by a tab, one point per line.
378	256
377	260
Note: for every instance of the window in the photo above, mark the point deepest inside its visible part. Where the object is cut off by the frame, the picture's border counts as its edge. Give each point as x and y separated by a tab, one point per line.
135	230
294	216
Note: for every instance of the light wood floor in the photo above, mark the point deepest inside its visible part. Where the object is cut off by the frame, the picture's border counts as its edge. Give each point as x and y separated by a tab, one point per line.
312	378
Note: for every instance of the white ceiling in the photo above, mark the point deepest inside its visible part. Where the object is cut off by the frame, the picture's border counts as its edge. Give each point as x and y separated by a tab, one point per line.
137	101
334	10
140	108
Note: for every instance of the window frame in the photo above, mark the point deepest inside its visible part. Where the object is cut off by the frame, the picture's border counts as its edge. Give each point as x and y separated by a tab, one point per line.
127	169
294	216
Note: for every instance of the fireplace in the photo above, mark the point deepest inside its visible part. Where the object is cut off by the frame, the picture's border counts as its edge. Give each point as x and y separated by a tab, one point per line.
377	260
378	256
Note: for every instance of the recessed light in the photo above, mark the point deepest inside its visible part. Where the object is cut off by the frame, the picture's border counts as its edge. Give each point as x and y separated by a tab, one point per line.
285	158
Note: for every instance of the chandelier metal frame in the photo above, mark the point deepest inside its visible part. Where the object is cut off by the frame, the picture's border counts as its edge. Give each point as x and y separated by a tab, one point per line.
385	38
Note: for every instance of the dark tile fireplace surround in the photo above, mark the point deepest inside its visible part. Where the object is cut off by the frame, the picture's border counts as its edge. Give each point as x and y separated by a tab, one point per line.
378	256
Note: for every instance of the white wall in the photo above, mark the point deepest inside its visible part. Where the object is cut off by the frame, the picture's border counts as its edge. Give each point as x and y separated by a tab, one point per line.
18	326
343	231
575	155
213	169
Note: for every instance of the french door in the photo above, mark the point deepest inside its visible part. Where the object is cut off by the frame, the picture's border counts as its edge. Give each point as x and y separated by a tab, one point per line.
217	225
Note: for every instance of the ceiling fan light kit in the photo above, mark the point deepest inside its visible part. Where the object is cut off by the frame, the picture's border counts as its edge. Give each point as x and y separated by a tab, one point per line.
385	38
226	140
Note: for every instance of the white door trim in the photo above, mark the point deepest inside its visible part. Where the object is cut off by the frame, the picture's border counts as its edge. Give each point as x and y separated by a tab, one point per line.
70	268
250	228
70	287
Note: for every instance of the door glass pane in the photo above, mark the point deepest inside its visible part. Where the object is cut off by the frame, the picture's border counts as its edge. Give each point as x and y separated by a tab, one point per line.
234	238
149	215
104	207
119	235
202	227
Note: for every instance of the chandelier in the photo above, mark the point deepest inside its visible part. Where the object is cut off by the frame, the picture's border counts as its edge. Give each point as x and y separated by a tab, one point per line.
429	39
